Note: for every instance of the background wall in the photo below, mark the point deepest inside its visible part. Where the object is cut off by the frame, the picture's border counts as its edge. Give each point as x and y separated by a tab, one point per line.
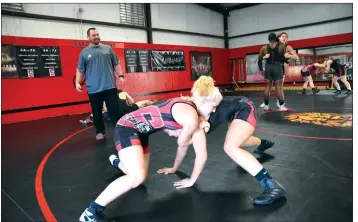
188	18
278	17
185	17
48	97
334	49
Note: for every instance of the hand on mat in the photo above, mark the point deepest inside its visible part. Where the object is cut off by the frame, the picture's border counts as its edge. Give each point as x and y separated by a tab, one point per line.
183	183
166	170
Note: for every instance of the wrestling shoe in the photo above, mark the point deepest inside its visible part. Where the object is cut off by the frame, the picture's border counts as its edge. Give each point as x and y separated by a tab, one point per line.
113	159
349	92
337	92
315	90
88	216
273	191
265	144
262	105
87	120
267	108
99	136
283	108
278	103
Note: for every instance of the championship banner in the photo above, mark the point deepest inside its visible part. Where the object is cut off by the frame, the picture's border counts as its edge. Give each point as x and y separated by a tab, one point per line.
143	56
8	62
50	62
167	61
131	60
29	61
201	64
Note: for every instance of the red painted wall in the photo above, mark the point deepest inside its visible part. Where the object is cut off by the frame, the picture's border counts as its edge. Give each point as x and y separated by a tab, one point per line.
25	93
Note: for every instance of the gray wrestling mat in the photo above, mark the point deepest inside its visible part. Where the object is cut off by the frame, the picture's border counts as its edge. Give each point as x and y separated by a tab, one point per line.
326	93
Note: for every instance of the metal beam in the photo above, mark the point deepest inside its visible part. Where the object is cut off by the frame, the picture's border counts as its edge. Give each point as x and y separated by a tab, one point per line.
226	31
214	7
148	14
241	6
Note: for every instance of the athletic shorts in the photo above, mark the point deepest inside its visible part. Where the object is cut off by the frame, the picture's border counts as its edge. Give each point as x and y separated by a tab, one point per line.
246	111
305	74
339	72
273	72
125	137
130	108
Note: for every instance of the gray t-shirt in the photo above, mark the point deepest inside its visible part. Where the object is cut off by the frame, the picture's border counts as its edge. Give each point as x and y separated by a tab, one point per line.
97	63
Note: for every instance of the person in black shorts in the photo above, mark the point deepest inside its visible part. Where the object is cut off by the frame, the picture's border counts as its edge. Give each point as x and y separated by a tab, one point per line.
240	113
340	72
306	74
273	69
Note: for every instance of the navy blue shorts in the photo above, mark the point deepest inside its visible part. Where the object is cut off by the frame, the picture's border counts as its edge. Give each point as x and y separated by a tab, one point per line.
125	137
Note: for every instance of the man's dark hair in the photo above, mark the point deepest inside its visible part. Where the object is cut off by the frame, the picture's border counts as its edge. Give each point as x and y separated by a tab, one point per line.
272	37
89	30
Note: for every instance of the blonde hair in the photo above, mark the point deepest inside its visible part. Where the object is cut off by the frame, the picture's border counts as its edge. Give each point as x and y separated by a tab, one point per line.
205	87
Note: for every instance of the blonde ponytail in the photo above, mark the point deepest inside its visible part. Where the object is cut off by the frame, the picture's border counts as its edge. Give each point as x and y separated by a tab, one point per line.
205	87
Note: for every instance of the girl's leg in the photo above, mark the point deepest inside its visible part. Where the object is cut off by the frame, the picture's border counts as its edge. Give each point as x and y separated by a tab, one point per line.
240	130
336	84
314	89
134	163
346	83
261	144
304	90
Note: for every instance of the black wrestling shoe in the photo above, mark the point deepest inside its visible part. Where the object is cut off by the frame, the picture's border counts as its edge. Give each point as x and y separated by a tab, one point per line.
338	92
349	92
265	144
315	90
304	92
273	191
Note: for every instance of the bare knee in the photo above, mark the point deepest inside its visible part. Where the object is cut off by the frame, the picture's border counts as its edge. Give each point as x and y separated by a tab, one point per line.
138	178
228	147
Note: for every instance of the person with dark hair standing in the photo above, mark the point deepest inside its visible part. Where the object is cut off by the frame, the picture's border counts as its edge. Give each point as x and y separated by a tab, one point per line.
283	39
273	69
97	62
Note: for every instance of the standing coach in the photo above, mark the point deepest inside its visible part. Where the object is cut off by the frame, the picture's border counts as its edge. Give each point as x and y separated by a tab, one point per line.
98	63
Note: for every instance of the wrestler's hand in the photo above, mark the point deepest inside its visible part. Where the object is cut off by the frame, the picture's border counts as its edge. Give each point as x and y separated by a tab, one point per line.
205	125
184	183
166	170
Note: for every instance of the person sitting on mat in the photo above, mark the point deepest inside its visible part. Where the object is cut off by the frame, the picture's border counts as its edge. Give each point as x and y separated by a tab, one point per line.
306	74
126	102
132	132
240	113
339	73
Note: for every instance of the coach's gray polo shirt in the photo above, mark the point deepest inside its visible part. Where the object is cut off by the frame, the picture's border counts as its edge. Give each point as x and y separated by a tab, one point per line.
97	63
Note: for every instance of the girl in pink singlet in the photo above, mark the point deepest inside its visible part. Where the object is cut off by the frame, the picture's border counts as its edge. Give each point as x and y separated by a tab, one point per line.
306	74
